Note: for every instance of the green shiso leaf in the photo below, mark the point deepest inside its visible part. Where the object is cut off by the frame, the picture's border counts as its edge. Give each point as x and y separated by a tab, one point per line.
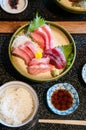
67	49
69	54
37	22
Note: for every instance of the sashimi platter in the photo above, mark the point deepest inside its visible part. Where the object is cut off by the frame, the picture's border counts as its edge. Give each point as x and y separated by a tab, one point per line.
42	51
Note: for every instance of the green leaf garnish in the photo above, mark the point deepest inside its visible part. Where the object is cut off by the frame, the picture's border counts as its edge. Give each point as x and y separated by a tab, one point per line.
67	49
37	22
69	54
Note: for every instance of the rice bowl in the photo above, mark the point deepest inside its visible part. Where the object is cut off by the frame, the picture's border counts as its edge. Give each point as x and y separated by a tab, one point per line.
18	104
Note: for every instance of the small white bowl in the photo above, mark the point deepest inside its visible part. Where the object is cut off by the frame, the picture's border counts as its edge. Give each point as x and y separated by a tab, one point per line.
31	119
84	72
21	6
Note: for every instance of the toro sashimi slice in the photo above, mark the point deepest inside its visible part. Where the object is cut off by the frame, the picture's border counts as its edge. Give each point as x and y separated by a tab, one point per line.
48	31
31	46
22	54
38	61
37	69
43	34
27	51
38	38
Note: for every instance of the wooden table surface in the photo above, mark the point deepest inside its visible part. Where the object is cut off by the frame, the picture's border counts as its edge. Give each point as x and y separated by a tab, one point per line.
75	27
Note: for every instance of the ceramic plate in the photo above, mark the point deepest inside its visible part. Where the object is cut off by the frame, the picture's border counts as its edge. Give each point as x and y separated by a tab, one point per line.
61	36
84	73
73	93
69	6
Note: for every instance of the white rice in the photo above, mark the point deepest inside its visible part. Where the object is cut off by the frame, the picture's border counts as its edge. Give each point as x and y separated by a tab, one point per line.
16	105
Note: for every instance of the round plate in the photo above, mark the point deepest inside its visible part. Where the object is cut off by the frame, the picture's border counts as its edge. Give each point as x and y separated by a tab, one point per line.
67	5
71	90
61	36
84	72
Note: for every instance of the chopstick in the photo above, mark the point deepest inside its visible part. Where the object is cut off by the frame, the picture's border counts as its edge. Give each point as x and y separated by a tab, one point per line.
71	122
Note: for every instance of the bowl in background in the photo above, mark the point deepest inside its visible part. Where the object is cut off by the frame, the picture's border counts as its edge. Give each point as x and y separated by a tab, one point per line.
68	6
19	104
21	6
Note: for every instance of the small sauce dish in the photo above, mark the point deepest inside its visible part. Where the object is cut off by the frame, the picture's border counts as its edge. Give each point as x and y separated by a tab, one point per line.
14	7
84	72
62	99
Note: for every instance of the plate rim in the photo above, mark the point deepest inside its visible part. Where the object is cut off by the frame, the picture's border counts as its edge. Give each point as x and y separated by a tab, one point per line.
84	66
69	36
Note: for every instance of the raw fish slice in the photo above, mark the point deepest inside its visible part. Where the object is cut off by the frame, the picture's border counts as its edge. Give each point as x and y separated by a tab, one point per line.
56	62
31	46
56	57
47	29
43	34
36	61
37	69
20	53
38	38
59	52
27	51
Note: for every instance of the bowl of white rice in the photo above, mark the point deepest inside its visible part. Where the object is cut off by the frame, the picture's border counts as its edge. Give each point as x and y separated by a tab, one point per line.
18	104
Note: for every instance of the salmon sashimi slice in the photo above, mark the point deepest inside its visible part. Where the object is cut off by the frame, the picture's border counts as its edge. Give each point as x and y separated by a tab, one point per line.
21	54
27	51
38	38
48	31
38	61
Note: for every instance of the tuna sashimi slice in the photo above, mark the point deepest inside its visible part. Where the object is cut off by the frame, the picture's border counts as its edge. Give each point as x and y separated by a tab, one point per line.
56	61
31	46
38	38
38	61
56	56
60	53
20	53
48	31
27	51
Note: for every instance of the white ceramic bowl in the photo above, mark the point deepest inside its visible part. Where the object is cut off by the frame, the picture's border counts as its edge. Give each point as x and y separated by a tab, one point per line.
21	6
31	117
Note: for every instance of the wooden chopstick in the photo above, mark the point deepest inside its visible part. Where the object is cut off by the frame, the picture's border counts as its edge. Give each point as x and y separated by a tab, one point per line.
71	122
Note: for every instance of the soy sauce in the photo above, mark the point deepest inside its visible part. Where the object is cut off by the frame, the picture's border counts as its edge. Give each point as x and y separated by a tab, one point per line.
13	3
61	99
